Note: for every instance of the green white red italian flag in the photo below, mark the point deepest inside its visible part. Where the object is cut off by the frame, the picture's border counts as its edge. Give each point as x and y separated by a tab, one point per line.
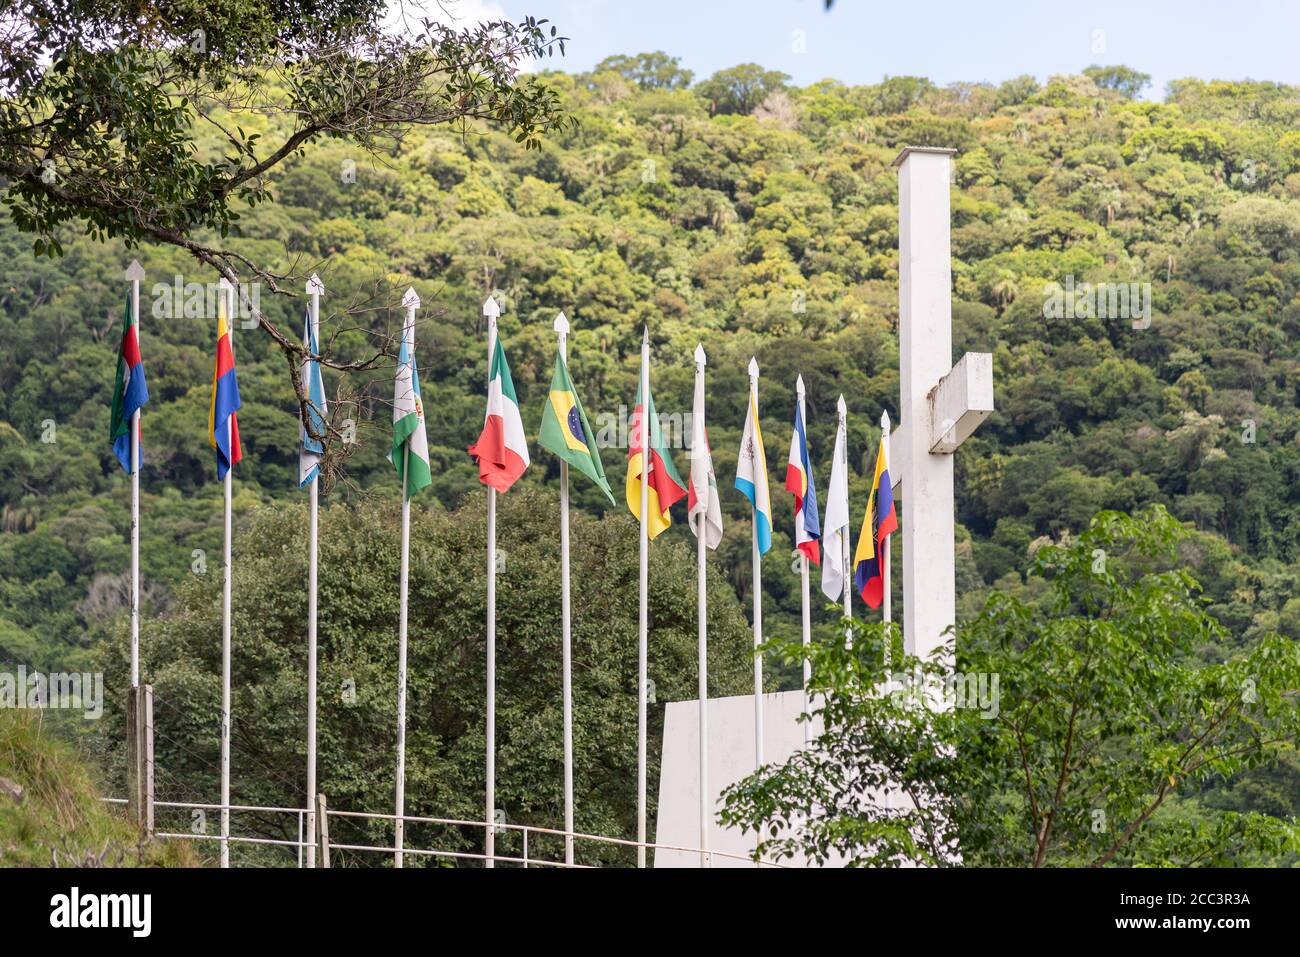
502	448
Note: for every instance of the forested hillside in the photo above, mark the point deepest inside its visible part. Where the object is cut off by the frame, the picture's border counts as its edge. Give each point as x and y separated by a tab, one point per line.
755	218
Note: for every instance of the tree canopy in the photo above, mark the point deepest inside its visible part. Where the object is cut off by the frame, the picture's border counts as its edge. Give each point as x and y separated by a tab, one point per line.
1077	730
772	234
164	123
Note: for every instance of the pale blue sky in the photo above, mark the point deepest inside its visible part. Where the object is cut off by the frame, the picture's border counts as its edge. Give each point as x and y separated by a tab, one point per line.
860	41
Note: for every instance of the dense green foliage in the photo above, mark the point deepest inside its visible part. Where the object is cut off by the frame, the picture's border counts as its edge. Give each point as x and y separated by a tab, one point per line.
768	232
447	656
1074	723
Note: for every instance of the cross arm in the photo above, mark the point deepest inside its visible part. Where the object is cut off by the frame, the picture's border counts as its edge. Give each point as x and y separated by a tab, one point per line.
956	407
960	402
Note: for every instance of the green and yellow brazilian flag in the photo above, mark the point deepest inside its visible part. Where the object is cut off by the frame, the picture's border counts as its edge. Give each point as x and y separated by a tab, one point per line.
566	431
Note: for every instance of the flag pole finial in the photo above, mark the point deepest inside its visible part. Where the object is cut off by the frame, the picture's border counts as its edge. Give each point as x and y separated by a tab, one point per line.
841	406
645	334
753	367
884	422
798	387
412	302
490	308
314	286
226	294
700	357
135	272
561	324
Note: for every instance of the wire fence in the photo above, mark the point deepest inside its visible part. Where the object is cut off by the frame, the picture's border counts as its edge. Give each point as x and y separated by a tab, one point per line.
528	835
268	831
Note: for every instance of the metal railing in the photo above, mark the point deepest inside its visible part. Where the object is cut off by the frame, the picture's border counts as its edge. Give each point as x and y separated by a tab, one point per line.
301	843
528	833
526	830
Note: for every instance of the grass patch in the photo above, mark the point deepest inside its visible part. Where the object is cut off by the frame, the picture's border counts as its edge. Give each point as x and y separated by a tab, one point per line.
60	821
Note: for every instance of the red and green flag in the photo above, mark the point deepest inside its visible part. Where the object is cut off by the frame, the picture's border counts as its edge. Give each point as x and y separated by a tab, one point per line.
665	486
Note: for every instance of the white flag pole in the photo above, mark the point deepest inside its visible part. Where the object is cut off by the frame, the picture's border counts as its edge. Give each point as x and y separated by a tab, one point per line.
135	272
314	289
561	327
227	291
491	312
702	602
887	612
803	575
644	617
412	302
842	410
757	561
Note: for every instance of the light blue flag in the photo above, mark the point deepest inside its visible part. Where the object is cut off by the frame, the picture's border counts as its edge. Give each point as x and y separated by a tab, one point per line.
312	450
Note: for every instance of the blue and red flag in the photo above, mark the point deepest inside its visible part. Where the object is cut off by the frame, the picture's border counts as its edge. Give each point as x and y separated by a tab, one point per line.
799	482
130	391
878	524
225	400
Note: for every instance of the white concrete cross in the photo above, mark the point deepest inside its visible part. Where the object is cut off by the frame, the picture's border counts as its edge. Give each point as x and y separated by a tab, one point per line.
939	407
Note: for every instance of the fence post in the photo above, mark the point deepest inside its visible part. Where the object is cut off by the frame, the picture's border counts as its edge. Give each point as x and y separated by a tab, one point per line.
139	759
323	830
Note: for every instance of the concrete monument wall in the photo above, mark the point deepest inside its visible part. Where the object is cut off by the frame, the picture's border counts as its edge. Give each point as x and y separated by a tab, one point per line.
731	757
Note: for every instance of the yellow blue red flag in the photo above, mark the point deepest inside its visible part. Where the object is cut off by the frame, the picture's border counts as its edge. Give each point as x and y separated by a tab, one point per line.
223	425
878	524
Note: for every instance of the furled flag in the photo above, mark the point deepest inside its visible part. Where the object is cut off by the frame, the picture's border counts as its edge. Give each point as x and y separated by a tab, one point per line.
702	503
665	485
799	482
751	477
878	523
223	424
408	419
130	391
311	449
566	431
502	448
837	517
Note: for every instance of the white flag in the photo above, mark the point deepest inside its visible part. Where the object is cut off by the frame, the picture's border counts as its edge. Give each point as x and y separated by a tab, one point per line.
703	500
835	531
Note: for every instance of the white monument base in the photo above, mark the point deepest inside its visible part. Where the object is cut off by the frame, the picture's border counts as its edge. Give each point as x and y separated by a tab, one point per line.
731	757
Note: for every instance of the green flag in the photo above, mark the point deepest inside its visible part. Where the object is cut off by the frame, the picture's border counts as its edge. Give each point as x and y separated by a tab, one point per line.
408	419
566	431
